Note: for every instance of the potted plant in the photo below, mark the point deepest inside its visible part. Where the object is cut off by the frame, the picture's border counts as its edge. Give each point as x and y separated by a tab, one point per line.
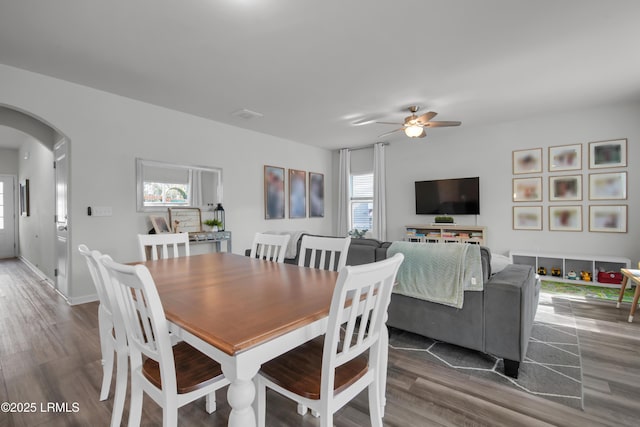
213	223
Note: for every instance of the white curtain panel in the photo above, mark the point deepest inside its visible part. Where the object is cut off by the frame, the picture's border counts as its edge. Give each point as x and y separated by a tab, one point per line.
343	192
379	194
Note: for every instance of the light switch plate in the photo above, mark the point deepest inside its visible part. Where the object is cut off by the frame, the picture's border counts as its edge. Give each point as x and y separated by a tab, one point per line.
101	211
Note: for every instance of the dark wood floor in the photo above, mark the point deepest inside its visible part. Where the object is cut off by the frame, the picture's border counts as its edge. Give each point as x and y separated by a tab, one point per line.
49	352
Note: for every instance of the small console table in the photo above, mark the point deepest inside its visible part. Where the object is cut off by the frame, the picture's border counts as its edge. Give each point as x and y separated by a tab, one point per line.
211	237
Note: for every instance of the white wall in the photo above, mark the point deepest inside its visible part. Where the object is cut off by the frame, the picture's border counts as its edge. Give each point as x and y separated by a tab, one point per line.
8	161
107	132
486	152
36	235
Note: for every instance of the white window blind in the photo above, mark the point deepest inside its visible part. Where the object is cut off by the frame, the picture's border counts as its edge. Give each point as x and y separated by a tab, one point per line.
362	201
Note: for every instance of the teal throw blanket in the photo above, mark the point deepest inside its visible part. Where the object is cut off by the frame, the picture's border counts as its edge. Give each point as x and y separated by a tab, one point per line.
438	272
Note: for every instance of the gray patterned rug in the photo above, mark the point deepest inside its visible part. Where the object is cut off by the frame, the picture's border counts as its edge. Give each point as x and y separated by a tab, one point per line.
552	369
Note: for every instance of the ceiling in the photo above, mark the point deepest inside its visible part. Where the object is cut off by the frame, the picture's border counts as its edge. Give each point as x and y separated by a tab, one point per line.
314	67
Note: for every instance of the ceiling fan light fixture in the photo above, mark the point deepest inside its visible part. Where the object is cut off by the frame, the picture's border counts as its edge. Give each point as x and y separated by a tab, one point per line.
413	131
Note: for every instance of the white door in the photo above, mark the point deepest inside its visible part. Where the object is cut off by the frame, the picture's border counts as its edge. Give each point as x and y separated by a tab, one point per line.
62	220
7	216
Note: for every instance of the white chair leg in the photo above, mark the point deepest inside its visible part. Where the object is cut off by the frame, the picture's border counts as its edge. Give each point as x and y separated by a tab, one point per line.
315	413
170	415
106	346
135	403
302	409
211	403
375	404
122	369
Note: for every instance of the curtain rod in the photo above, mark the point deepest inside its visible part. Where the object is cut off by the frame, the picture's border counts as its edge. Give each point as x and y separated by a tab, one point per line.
363	147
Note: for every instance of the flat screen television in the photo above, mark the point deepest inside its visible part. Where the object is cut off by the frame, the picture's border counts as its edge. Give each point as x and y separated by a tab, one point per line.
459	196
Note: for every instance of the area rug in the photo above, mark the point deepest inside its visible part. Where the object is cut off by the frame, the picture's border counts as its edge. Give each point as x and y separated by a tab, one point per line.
587	291
552	368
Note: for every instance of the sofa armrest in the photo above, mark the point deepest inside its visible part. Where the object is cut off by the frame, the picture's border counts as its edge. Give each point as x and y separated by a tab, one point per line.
510	301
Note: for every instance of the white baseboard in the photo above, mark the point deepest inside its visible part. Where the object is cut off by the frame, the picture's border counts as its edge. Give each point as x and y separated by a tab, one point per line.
71	301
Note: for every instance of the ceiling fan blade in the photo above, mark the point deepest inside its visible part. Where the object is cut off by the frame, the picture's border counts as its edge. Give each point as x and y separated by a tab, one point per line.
441	124
389	133
427	116
423	134
388	123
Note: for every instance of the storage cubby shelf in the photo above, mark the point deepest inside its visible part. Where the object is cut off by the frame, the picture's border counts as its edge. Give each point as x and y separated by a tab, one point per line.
443	233
568	262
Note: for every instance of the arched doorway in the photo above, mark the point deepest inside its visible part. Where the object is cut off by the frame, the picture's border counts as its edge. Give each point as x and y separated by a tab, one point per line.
40	245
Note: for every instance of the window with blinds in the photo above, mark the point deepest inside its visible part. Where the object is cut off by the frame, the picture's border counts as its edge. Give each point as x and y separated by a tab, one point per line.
361	190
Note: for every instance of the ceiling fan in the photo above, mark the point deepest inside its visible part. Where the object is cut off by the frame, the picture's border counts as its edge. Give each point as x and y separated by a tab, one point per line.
414	126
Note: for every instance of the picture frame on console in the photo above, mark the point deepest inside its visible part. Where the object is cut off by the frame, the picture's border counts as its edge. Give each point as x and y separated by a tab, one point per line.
527	189
608	186
527	161
608	154
565	188
527	217
160	224
565	157
608	218
565	218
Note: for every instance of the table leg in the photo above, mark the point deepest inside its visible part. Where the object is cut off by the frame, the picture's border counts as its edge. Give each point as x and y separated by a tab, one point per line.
636	296
622	287
240	396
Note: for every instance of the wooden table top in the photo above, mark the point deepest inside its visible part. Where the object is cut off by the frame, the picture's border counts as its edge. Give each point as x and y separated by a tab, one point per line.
234	302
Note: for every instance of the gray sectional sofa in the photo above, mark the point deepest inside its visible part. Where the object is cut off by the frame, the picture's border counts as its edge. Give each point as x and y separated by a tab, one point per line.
497	320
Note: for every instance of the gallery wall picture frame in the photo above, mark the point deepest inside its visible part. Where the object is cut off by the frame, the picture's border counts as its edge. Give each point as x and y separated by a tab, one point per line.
565	188
527	161
565	157
608	186
565	218
297	194
316	195
608	218
527	217
527	189
274	199
24	198
608	154
160	224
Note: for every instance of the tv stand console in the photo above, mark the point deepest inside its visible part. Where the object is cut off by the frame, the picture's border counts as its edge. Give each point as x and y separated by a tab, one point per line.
445	233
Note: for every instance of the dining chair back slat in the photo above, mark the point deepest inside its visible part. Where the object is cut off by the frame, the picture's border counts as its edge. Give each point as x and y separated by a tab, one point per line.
272	247
164	245
313	247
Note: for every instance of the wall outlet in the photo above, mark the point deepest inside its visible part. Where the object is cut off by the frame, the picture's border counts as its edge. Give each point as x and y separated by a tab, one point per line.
101	211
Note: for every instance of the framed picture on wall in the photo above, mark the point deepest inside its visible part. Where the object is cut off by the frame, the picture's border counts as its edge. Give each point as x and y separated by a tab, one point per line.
297	194
527	161
527	217
273	192
608	186
565	158
527	189
565	218
565	188
608	154
24	198
608	219
316	195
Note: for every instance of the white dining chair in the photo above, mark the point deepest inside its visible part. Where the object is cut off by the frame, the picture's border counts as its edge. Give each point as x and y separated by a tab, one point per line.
271	247
158	245
325	373
113	338
327	253
171	375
